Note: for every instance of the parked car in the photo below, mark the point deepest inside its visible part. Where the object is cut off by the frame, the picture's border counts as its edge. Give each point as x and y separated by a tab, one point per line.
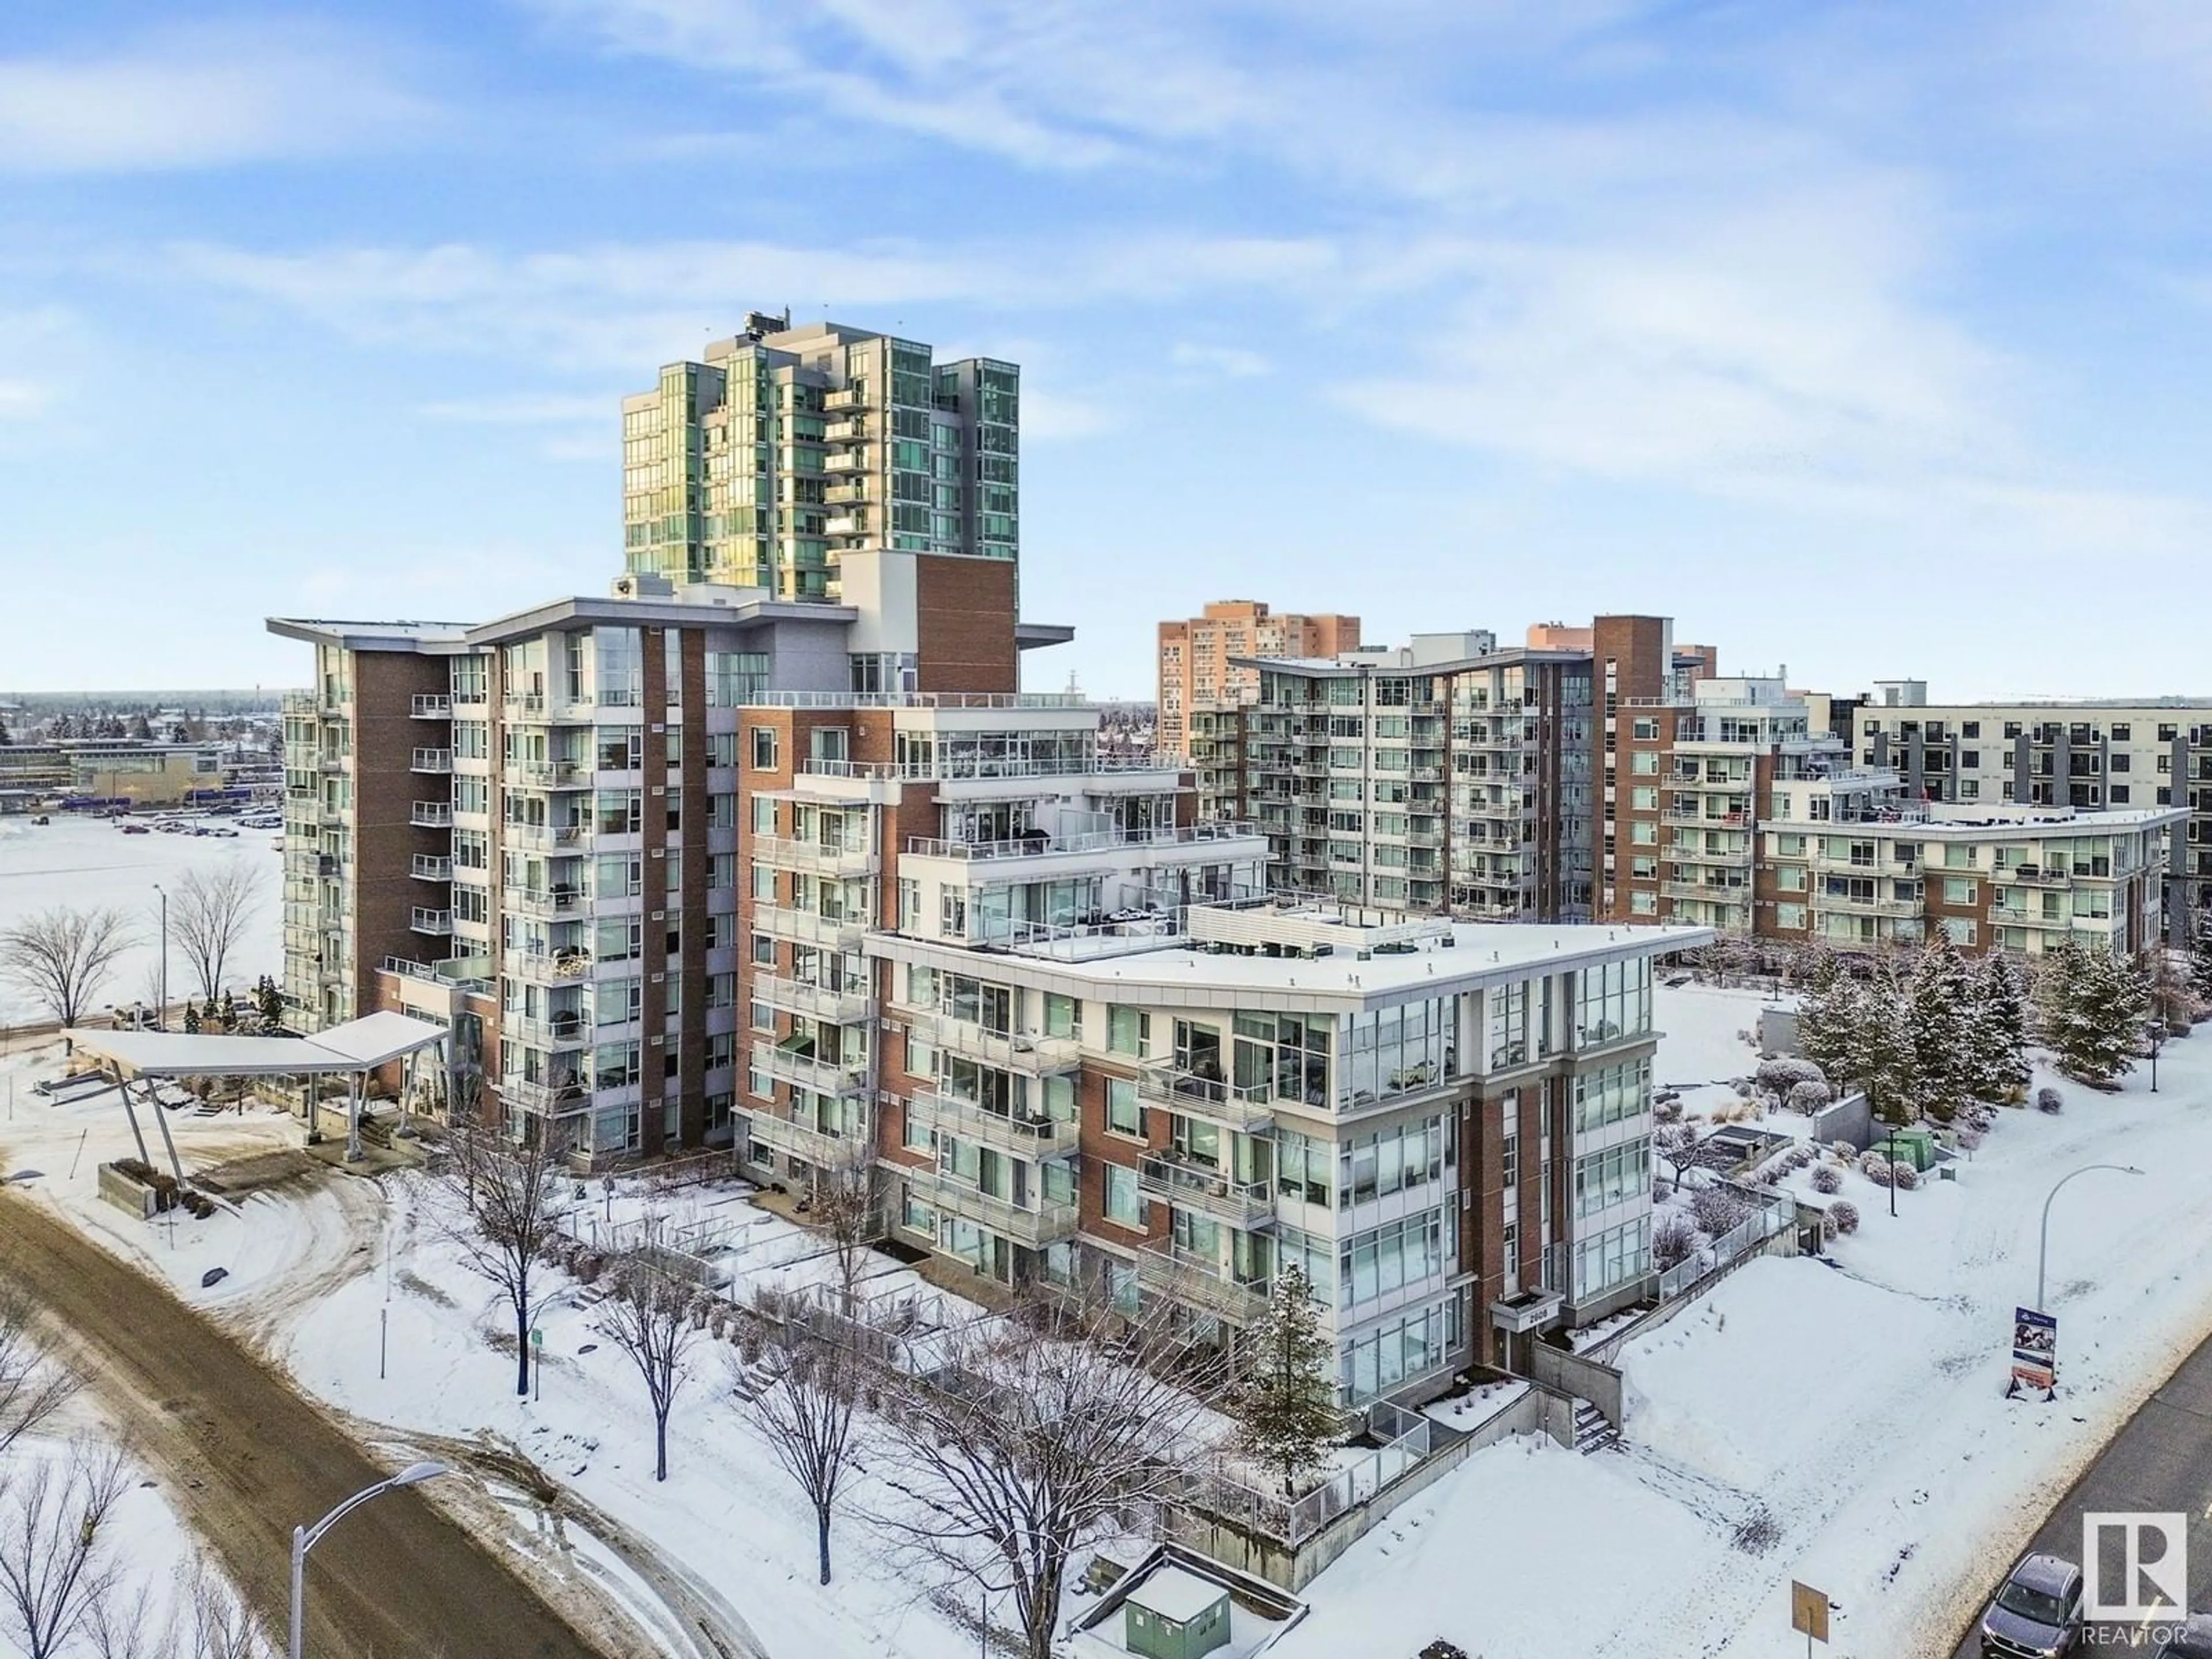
2037	1614
2191	1639
134	829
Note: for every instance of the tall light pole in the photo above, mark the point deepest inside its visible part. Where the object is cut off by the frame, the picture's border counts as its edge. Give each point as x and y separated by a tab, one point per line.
162	1015
306	1538
2043	1249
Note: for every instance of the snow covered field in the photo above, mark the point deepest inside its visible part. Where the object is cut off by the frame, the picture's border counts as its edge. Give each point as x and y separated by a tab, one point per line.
89	863
1844	1425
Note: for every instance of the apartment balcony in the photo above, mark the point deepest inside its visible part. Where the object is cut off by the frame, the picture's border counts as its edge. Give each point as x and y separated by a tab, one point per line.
2035	875
850	431
1045	1224
814	856
428	707
1709	892
329	866
968	1120
1891	909
548	774
562	1098
544	904
855	523
524	705
846	460
793	996
805	1071
561	966
807	1144
840	495
835	932
431	815
552	1032
437	923
1247	1204
333	764
1210	1099
427	867
435	762
1197	1282
1018	1051
546	837
848	398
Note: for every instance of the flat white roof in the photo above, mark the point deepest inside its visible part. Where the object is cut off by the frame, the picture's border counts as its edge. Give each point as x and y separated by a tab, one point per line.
360	1045
1174	1594
1465	955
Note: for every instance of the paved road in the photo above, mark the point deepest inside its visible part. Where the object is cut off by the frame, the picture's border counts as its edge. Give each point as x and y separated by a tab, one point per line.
245	1458
2160	1461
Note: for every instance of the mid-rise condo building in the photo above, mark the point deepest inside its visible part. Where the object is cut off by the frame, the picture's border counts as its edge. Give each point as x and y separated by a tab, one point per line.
1202	659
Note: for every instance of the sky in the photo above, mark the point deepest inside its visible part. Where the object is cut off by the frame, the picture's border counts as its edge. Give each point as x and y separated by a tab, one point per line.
1866	340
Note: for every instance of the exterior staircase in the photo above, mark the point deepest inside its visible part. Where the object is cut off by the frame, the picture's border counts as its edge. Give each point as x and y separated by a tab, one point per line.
1592	1432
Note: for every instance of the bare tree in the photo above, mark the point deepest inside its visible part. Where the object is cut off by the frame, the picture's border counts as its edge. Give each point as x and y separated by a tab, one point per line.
805	1411
32	1385
1027	1445
509	1211
209	915
1678	1145
54	1555
63	958
648	1316
845	1204
206	1620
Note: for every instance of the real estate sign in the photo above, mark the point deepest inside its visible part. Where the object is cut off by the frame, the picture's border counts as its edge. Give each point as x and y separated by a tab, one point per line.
2034	1349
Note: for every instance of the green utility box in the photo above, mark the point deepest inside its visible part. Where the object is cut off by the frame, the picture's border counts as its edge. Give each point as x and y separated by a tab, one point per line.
1174	1614
1915	1145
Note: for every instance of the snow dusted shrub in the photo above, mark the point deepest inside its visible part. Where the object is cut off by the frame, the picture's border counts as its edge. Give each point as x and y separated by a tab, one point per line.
1969	1139
1827	1180
1716	1209
589	1264
1673	1237
1828	1229
1844	1151
1802	1156
1809	1096
1845	1215
2048	1099
1781	1075
1667	1112
1906	1177
1877	1168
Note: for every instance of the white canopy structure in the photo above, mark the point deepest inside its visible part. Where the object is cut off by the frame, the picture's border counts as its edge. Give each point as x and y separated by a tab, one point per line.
353	1050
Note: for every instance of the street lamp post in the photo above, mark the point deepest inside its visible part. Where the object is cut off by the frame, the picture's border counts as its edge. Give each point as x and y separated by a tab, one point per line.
162	1019
306	1538
2043	1247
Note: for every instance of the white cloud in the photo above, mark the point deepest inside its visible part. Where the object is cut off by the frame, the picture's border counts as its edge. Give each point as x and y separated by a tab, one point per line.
1234	362
201	97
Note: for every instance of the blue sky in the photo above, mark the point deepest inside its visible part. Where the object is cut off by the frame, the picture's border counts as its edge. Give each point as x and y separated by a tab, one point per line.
1867	339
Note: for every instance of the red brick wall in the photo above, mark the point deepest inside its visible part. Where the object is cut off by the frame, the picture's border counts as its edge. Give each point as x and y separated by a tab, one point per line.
964	618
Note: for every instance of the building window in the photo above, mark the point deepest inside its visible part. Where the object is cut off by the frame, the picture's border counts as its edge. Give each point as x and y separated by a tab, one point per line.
1960	930
1062	1015
1124	1205
1959	891
1124	1116
1128	1030
763	748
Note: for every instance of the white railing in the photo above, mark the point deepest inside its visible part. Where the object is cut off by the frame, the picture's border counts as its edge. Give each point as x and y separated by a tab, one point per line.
1198	1281
431	706
955	767
919	700
1041	1226
1775	1216
822	1076
1040	844
432	760
1014	1051
968	1119
431	815
849	1006
842	931
425	921
816	856
1194	1186
429	867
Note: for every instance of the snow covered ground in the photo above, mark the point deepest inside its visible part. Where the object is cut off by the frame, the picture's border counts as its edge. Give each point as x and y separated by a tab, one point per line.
89	863
1843	1423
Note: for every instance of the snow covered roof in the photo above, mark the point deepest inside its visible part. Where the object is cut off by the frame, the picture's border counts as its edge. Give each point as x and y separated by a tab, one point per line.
1176	1595
360	1045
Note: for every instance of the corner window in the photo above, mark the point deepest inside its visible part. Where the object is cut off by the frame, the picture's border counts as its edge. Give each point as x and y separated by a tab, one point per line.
763	748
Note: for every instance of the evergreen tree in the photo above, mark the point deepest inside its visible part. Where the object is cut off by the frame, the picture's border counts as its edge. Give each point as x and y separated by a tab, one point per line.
2200	960
2094	1004
1827	1017
1285	1402
4	738
1997	1032
1884	1058
1938	1004
268	998
192	1016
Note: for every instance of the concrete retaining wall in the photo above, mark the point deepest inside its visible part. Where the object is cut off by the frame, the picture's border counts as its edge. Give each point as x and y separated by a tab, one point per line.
131	1197
1578	1375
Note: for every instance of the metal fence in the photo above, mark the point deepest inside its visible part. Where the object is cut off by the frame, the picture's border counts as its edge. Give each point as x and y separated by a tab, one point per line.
1774	1215
1232	1491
